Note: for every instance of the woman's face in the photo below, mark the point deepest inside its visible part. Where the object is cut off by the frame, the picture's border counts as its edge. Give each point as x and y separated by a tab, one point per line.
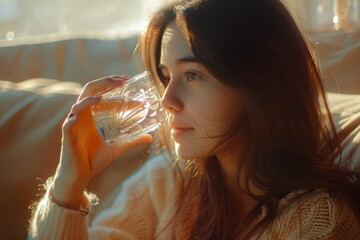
201	108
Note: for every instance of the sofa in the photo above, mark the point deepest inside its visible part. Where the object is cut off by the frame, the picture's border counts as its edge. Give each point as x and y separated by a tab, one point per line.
41	77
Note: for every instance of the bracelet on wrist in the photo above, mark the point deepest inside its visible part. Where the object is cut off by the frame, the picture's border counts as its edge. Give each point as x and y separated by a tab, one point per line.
83	211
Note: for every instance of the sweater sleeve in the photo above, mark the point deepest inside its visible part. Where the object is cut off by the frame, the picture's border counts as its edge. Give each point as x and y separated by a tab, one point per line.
135	213
143	208
51	221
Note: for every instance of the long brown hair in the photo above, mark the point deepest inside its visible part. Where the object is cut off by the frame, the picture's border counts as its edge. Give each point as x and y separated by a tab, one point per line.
255	46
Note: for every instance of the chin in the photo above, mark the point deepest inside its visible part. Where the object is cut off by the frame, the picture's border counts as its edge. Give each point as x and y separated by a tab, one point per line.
189	152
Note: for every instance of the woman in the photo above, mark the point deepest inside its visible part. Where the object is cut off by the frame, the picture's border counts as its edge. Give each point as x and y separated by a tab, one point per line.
248	114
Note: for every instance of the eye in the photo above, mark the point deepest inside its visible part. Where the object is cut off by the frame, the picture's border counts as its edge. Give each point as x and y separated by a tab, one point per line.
164	76
165	80
192	76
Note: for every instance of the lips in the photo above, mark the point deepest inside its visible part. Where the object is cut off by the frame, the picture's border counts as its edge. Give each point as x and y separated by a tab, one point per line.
178	129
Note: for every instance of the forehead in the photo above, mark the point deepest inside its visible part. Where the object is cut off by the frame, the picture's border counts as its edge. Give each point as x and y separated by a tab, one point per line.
174	45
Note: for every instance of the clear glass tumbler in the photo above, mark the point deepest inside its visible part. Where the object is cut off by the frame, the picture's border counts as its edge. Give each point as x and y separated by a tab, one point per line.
129	111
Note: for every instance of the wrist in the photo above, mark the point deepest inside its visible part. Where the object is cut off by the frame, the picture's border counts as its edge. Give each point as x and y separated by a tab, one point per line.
83	210
68	192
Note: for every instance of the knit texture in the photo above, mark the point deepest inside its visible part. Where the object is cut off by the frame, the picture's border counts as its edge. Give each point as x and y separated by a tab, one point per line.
146	204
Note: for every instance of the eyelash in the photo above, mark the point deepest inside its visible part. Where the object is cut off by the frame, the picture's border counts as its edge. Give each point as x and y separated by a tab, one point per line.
189	76
165	80
192	76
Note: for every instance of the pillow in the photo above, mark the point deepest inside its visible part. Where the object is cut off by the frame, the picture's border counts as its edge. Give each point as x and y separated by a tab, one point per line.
338	53
31	116
345	110
67	58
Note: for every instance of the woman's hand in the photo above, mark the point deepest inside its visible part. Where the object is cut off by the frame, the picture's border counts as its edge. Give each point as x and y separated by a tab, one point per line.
83	152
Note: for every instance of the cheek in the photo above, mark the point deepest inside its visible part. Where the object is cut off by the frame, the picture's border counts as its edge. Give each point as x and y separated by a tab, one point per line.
213	115
220	114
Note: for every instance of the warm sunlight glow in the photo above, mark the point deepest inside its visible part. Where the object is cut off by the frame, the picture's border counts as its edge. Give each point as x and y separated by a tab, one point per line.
10	35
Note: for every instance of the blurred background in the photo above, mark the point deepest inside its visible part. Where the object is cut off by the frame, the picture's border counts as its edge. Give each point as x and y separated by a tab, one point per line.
24	18
326	15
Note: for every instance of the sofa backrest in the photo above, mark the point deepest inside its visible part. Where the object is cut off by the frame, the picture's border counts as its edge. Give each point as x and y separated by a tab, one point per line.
67	59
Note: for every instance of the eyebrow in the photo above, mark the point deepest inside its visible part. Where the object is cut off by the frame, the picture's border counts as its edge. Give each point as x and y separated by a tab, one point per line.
183	60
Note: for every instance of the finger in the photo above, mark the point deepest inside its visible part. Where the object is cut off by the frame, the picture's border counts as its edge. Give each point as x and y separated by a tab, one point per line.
85	104
120	149
102	84
71	115
79	108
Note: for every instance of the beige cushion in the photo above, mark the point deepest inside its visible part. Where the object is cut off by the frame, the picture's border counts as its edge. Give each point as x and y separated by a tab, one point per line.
339	55
67	58
31	115
345	110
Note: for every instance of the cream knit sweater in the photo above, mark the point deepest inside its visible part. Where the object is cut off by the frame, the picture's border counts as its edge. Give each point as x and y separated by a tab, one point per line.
146	203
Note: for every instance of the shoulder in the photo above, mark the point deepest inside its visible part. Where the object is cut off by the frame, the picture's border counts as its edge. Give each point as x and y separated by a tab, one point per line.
320	214
329	206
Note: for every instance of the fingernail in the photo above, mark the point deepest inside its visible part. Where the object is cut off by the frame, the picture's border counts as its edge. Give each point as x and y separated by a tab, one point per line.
95	96
71	116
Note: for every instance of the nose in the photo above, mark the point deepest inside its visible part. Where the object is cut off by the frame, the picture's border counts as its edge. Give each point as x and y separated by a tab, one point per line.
171	99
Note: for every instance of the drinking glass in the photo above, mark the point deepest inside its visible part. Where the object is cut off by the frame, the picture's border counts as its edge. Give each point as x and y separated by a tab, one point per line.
129	111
